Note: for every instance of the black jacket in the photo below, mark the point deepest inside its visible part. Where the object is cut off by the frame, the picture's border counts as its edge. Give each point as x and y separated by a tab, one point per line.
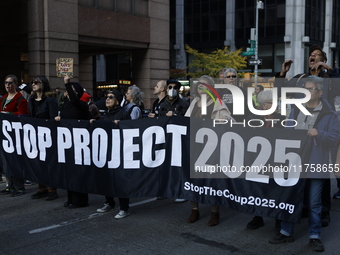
47	110
74	108
118	113
178	106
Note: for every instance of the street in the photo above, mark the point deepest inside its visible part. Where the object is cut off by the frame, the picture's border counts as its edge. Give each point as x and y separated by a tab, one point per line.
30	226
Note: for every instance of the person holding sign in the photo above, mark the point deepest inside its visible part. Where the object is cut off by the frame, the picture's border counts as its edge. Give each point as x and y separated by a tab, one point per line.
215	110
74	108
264	100
43	107
323	129
115	113
13	103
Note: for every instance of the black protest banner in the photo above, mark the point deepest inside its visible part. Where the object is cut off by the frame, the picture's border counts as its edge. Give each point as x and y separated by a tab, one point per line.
153	157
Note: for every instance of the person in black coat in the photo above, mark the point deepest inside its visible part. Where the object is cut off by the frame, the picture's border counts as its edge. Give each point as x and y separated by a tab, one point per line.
74	108
115	113
43	107
173	105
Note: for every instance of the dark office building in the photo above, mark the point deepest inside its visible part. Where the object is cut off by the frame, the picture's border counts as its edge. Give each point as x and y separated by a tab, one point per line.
286	30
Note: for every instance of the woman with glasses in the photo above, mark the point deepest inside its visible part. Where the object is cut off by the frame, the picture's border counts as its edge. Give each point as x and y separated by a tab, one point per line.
43	107
115	113
215	110
13	103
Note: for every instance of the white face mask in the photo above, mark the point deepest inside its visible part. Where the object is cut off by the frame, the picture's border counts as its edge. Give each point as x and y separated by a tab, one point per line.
172	92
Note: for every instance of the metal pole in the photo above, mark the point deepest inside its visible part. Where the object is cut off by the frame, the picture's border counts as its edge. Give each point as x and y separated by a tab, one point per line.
259	5
256	42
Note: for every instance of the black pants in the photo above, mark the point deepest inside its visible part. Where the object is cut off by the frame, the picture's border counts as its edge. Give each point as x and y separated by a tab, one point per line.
16	183
77	198
123	202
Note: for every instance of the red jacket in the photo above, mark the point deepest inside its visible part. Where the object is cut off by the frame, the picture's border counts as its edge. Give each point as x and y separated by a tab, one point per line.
17	106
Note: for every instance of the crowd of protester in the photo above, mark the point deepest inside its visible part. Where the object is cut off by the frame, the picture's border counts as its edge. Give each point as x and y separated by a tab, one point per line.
38	101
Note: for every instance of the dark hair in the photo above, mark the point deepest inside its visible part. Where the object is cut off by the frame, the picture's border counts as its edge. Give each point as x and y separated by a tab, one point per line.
318	47
261	87
45	84
14	78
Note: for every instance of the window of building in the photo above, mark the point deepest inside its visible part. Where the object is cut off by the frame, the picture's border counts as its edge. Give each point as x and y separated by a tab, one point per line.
315	20
137	7
204	21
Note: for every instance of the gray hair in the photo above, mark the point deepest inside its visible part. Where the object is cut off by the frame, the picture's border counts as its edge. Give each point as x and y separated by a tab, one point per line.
264	96
136	94
230	70
318	81
208	79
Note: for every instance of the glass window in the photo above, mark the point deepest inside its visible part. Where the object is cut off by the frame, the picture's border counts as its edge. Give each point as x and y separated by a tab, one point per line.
106	4
141	8
123	6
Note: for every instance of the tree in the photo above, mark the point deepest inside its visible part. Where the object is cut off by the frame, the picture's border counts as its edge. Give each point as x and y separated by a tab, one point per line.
211	64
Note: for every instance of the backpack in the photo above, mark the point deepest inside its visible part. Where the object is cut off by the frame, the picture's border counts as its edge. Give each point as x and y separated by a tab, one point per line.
131	108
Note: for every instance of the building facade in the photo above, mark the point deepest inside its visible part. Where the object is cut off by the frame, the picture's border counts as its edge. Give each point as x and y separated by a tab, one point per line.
112	42
286	30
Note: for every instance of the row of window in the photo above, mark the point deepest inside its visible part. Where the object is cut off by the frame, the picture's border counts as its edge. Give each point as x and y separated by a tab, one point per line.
135	7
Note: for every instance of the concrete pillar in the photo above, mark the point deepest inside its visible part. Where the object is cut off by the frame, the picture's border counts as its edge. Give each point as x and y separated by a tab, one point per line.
181	60
328	31
230	25
52	34
152	64
86	73
294	35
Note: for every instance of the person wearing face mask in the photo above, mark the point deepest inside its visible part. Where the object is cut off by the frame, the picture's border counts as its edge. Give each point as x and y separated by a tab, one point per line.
173	105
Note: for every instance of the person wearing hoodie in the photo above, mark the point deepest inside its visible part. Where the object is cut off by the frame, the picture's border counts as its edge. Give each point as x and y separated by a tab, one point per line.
74	108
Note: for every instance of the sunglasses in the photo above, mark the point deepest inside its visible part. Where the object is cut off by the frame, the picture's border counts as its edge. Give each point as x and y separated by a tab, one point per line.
9	82
198	83
175	87
231	76
312	89
35	82
110	97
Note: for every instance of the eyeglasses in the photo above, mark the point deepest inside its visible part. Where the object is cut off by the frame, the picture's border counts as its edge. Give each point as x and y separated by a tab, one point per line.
9	82
110	97
312	89
175	87
202	83
231	76
35	82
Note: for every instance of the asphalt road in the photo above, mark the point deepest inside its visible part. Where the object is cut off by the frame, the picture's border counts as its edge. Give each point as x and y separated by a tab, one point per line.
154	227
